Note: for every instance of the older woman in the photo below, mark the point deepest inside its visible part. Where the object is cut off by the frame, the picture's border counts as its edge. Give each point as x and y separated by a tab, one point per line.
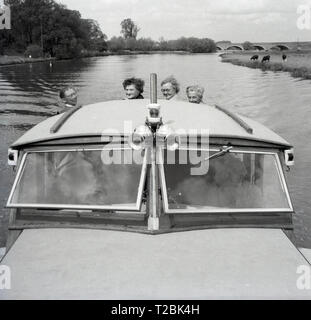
170	88
133	87
195	94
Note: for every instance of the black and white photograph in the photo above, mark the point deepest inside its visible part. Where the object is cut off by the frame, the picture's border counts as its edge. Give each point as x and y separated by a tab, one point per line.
155	151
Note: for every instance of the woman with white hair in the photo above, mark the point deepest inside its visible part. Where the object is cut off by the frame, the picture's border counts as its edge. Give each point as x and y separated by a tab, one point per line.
170	88
195	94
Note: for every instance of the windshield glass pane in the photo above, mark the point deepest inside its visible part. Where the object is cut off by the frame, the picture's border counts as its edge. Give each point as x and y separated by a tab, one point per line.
78	178
232	181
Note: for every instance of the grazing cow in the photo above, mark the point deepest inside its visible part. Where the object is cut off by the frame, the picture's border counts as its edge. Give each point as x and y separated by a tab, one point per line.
255	57
284	57
265	59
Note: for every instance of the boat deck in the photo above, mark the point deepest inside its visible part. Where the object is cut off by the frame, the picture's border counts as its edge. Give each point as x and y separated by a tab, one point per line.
90	264
107	118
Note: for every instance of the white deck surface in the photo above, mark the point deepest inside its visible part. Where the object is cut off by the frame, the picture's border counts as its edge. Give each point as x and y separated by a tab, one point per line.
108	118
2	252
306	253
231	263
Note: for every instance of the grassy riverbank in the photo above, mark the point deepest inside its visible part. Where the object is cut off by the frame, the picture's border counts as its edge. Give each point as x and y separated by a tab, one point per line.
13	60
298	64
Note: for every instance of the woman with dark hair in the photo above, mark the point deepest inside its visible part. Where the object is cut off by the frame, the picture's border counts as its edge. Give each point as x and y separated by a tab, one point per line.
133	87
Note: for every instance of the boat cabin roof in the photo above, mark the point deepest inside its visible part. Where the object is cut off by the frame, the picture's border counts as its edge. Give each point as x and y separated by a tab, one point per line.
107	118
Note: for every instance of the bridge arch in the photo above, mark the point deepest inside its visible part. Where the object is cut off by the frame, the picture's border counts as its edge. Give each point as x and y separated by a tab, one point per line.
235	47
258	47
281	47
219	48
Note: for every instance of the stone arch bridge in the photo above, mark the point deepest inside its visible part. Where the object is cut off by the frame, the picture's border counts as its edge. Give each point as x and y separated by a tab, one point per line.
222	46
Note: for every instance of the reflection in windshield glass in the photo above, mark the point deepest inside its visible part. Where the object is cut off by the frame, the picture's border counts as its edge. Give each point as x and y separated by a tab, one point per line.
76	178
233	181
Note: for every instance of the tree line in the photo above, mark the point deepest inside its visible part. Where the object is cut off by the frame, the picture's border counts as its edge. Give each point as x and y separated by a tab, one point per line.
129	41
47	28
192	44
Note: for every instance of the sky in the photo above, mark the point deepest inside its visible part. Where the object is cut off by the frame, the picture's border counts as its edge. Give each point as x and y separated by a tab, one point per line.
234	20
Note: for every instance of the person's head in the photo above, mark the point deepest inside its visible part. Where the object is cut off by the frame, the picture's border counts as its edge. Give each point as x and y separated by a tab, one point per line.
169	87
69	95
133	87
195	94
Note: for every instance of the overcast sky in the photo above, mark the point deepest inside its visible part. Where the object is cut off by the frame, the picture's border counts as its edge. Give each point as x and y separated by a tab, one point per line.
235	20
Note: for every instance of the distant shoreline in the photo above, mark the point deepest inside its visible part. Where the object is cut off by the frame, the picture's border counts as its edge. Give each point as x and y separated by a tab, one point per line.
298	64
16	60
7	60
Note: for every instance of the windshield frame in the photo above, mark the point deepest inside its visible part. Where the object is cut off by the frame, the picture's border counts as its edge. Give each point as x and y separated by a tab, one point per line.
280	172
115	207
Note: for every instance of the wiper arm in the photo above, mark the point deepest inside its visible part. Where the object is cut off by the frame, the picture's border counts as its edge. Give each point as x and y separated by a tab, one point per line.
223	151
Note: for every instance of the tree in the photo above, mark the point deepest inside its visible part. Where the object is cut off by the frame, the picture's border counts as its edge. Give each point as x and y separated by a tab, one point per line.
248	45
60	31
145	44
129	29
192	44
97	39
116	44
34	51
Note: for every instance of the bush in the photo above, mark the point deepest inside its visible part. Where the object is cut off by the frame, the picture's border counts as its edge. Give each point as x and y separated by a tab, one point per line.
248	46
70	50
116	44
193	45
34	51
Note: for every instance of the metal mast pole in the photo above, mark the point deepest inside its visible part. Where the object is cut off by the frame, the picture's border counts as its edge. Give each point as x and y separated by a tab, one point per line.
153	221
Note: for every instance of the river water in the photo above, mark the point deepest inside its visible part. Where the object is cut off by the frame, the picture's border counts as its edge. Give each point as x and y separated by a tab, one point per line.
275	99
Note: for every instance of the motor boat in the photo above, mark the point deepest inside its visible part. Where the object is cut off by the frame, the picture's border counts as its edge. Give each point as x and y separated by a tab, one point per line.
159	199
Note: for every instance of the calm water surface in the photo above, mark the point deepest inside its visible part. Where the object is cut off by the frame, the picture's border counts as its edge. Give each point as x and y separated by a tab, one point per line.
274	99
